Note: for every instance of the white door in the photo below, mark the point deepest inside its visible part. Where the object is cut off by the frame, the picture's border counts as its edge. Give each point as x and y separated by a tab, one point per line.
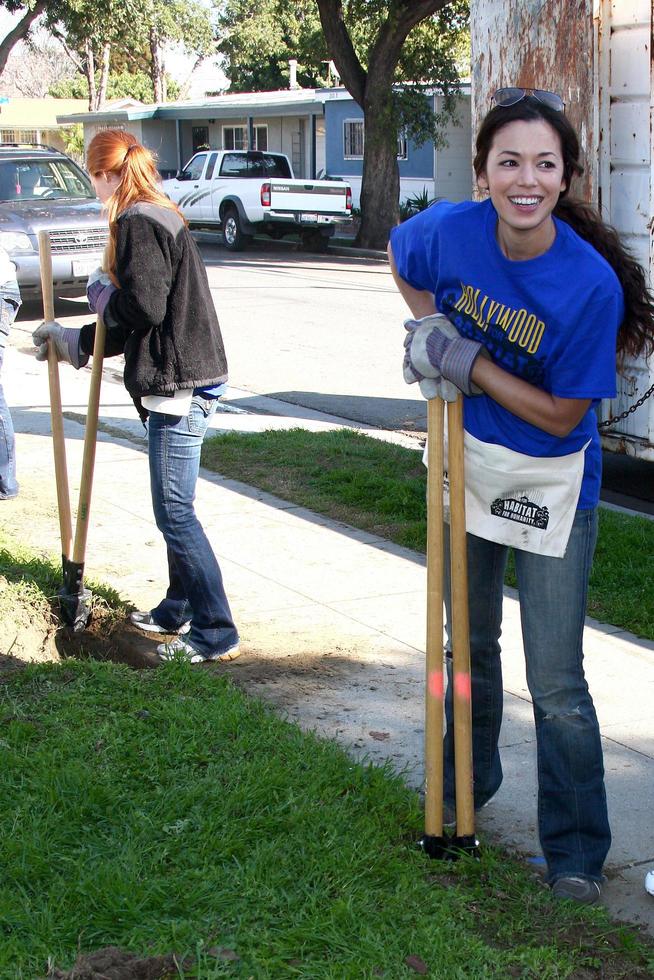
190	189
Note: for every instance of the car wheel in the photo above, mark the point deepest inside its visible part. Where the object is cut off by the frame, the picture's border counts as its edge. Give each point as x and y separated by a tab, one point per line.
235	239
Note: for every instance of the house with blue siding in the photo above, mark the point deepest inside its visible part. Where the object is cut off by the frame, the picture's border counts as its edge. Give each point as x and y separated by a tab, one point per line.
320	130
441	172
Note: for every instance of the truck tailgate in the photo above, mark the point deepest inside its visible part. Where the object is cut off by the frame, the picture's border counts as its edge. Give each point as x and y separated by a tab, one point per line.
307	196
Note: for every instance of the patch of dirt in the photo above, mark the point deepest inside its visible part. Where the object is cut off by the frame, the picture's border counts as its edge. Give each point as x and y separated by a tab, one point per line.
106	639
117	964
27	632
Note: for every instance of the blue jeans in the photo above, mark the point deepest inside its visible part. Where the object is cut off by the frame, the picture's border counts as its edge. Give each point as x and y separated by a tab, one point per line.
8	482
572	814
195	590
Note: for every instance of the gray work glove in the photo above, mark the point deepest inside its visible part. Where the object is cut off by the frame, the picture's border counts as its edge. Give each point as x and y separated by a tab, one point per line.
98	275
65	340
434	386
435	349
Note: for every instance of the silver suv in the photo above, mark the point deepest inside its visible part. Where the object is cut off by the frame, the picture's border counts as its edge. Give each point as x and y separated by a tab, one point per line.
42	188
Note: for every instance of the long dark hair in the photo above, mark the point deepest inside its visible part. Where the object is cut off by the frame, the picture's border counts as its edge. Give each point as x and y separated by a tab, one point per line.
636	334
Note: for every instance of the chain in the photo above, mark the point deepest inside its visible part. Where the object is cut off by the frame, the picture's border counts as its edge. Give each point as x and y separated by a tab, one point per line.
629	411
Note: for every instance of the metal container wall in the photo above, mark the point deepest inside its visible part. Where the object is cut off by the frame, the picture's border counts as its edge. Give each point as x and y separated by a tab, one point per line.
538	44
626	184
598	55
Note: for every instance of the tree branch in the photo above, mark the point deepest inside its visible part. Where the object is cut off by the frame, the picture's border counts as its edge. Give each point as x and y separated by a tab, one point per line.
340	48
386	51
19	32
67	50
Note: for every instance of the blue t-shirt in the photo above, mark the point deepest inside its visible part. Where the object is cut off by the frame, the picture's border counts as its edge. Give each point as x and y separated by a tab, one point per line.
551	320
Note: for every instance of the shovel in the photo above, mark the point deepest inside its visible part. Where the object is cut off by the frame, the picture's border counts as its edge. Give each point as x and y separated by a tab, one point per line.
434	842
74	599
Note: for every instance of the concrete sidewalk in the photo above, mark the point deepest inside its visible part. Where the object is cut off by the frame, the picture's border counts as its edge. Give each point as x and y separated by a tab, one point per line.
331	619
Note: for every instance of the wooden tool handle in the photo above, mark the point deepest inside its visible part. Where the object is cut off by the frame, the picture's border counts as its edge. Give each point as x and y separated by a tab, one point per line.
465	815
434	688
90	442
56	414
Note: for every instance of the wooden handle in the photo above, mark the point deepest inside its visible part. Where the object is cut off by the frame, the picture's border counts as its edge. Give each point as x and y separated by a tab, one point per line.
56	414
90	442
434	688
465	814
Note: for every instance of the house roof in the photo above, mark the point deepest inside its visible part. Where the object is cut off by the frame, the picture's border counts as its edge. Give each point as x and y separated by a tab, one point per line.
284	102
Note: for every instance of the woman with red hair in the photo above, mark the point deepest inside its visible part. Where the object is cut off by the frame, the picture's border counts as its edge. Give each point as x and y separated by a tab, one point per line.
154	298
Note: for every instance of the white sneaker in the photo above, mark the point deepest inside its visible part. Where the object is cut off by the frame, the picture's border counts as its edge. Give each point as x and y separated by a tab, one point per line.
168	651
145	622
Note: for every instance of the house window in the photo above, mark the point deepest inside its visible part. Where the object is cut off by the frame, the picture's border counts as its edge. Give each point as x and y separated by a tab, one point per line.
260	138
235	138
353	139
402	145
19	136
200	138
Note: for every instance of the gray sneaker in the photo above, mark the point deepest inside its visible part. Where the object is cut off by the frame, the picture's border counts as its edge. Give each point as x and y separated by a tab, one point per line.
145	622
577	888
168	651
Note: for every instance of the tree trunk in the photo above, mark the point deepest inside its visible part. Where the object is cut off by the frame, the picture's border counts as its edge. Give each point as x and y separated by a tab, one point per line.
158	72
380	185
19	32
373	90
89	72
101	97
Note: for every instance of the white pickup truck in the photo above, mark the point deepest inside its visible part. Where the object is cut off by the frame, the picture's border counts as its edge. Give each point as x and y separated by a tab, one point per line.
246	192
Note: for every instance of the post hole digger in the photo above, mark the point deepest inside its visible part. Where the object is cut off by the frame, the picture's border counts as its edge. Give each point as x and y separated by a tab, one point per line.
74	598
435	842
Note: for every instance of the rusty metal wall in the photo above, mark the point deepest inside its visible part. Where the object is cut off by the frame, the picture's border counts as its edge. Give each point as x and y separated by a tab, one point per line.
538	44
597	54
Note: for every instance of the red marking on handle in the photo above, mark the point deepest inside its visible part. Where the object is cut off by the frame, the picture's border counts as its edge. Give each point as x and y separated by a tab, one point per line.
435	684
462	686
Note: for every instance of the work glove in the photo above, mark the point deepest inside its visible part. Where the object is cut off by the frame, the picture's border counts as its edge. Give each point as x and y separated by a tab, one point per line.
435	349
65	340
99	290
436	387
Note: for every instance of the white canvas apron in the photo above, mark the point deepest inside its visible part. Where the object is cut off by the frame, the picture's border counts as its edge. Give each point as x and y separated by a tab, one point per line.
526	502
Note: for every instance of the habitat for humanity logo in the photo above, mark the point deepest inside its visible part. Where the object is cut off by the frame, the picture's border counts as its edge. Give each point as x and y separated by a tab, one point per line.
517	506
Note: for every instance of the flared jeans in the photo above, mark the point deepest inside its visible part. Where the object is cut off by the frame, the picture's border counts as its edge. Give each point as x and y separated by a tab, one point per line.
195	591
572	813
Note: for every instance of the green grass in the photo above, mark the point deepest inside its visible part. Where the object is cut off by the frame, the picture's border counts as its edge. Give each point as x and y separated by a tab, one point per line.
33	581
166	811
380	487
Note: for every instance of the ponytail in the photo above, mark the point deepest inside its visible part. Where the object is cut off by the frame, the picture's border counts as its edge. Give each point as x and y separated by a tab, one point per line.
118	152
636	334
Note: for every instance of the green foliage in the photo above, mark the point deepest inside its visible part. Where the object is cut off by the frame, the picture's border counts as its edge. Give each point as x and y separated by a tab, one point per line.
258	37
73	138
417	202
122	85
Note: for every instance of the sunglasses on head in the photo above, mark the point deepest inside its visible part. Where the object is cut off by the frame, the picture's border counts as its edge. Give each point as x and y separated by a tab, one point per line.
510	96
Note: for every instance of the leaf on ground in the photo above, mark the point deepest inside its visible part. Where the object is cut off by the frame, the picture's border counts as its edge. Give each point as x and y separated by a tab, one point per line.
379	736
417	965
